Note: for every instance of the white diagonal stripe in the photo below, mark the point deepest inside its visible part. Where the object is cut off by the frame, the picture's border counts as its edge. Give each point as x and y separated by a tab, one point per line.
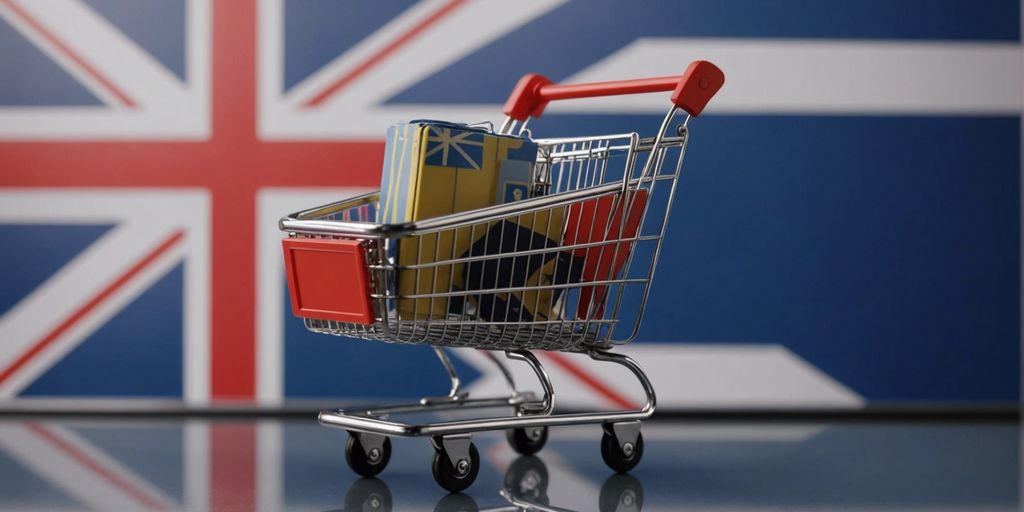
763	76
144	218
69	474
58	57
686	375
470	26
802	76
52	302
167	109
115	56
463	31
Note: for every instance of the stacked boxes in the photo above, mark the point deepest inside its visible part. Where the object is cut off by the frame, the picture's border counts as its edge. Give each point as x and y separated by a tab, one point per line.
434	168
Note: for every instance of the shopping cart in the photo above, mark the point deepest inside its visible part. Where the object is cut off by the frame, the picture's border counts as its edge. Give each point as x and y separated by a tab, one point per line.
516	290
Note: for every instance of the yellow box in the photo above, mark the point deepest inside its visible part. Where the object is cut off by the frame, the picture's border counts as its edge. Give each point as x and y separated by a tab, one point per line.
432	169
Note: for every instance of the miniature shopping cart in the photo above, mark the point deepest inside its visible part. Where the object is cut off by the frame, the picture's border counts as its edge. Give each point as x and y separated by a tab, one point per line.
607	197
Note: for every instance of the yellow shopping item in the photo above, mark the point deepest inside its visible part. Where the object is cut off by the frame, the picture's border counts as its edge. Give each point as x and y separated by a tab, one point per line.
434	168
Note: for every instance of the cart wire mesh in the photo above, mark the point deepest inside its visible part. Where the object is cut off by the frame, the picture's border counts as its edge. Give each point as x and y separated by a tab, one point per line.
568	269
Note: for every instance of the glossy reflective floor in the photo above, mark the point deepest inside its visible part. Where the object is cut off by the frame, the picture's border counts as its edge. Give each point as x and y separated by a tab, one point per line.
180	464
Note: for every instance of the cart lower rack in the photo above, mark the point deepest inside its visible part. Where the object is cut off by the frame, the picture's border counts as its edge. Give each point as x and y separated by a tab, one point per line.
567	269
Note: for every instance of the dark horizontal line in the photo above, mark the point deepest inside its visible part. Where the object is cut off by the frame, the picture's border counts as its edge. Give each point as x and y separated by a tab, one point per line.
916	413
957	414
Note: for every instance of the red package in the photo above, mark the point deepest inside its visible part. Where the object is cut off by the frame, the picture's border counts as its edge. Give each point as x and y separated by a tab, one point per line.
600	220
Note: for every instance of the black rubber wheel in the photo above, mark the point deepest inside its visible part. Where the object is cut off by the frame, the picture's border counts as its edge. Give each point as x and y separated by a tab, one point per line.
621	493
456	503
368	495
521	441
366	464
527	479
448	477
613	456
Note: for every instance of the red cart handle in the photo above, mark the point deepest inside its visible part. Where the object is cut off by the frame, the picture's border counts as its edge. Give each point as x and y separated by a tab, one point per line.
691	91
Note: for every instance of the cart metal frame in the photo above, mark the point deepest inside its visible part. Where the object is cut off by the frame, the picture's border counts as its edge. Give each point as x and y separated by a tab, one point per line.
571	171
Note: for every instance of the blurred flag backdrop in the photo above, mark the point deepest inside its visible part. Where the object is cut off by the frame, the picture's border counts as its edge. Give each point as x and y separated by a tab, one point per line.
847	232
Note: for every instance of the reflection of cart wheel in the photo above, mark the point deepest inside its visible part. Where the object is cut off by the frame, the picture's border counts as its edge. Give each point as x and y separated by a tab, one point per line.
367	463
527	441
368	495
456	503
457	477
621	493
616	457
527	479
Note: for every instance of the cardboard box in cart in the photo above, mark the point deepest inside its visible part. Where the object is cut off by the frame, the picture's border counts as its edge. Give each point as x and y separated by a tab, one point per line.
433	168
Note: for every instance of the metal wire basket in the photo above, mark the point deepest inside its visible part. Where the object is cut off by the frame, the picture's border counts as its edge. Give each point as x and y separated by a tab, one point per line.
465	299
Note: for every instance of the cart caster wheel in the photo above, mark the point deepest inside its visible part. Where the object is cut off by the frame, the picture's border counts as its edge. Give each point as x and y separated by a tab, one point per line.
621	458
366	455
369	495
527	441
458	476
621	493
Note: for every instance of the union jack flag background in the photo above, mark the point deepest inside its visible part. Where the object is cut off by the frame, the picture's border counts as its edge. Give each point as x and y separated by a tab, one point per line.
847	232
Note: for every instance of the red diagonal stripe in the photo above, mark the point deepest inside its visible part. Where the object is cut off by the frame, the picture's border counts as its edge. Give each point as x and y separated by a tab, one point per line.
591	381
89	306
94	467
383	53
69	53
